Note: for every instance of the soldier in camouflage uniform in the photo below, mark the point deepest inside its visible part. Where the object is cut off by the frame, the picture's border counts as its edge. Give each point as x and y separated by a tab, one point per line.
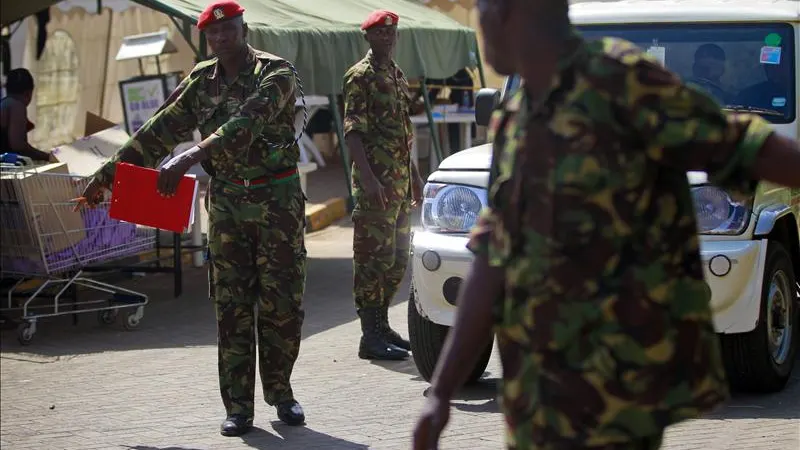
587	257
385	182
243	103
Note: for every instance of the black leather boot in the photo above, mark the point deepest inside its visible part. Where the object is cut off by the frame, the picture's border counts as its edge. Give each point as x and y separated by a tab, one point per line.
391	336
236	425
373	344
291	413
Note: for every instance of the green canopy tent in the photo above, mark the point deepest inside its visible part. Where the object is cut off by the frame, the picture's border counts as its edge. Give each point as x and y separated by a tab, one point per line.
322	38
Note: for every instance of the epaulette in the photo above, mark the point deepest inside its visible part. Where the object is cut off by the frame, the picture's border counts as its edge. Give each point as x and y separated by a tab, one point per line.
265	56
358	69
202	66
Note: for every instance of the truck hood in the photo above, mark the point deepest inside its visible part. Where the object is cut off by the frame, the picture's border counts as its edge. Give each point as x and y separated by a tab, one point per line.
474	158
480	158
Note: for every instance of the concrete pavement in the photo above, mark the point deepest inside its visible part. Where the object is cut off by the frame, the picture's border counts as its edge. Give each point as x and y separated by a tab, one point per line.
99	387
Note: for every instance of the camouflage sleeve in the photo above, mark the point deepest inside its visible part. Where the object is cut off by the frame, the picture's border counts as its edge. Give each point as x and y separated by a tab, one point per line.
276	89
685	128
489	239
173	123
356	87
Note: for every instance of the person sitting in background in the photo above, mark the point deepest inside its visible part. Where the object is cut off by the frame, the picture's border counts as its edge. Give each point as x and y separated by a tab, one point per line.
462	95
707	71
14	123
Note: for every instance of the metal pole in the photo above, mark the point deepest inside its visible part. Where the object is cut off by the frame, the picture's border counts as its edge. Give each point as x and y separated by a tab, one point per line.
186	32
334	107
480	65
177	264
429	113
105	65
203	46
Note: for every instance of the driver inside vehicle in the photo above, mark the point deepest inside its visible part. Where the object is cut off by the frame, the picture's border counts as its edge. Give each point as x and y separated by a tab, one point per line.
770	93
707	71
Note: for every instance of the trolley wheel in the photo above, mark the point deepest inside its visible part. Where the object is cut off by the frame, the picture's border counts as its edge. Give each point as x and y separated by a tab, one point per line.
107	317
131	322
25	333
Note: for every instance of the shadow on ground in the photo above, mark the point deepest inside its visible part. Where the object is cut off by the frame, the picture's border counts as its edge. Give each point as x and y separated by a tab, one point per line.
299	437
186	321
147	447
281	436
779	405
482	396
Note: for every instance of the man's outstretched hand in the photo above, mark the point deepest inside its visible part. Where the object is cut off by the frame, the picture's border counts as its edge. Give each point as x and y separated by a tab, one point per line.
91	197
434	418
170	175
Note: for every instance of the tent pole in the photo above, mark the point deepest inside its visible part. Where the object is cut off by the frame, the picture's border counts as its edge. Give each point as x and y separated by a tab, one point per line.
186	33
429	113
334	107
480	66
203	47
108	50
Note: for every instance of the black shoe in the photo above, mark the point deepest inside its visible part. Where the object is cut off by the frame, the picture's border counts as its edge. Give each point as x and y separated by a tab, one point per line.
236	425
373	344
291	413
395	339
373	347
391	336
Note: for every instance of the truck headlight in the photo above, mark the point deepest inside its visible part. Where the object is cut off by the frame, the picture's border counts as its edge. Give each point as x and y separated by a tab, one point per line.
451	208
717	213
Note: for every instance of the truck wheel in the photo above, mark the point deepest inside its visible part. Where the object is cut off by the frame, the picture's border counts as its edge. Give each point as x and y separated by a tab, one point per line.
762	359
427	339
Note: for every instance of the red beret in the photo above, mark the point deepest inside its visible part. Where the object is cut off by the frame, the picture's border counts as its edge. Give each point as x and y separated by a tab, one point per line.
380	17
219	11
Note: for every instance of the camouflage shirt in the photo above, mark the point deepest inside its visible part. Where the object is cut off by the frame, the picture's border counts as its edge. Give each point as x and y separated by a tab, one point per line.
605	327
251	115
377	104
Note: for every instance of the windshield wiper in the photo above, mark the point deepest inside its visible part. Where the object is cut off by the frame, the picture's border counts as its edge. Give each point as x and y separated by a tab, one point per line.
752	109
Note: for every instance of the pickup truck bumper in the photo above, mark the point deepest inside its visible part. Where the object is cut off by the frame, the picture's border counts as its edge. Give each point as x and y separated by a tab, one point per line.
733	270
439	263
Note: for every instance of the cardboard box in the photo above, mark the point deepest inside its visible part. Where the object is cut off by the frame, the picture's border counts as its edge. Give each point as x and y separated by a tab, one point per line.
95	124
90	152
36	204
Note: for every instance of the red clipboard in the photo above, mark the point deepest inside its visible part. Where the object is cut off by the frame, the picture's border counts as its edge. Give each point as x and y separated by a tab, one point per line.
135	199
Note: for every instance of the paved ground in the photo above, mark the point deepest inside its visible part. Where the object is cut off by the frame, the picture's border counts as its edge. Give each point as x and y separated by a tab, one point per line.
94	387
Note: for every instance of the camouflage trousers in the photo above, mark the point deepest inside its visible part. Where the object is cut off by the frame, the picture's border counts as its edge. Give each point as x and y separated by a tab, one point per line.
381	241
257	270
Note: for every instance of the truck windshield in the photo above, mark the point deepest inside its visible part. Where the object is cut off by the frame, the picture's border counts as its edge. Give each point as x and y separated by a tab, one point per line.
745	67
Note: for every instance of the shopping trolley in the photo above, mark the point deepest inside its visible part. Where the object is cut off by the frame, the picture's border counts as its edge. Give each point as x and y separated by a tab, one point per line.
43	239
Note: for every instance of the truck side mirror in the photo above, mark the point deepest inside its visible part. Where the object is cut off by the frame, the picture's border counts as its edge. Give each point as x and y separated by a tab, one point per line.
486	101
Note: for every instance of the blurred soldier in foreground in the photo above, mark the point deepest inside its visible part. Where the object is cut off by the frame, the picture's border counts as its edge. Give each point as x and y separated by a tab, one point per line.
587	259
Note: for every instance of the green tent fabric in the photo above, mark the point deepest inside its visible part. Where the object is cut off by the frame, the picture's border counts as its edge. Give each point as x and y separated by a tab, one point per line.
322	37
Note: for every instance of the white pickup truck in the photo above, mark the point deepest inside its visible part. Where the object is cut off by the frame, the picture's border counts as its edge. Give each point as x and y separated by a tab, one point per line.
751	252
